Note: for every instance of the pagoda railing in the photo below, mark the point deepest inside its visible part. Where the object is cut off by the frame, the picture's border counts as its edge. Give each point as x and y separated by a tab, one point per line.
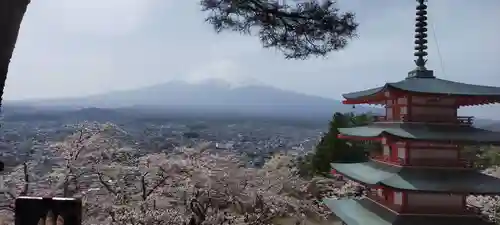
380	118
467	120
387	159
424	161
460	120
430	210
382	201
439	162
441	210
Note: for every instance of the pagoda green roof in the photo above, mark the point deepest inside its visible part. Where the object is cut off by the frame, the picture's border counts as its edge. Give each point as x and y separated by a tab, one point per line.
430	86
428	132
365	211
438	180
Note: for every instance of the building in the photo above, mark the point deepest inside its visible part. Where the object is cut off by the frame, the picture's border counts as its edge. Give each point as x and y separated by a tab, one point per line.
225	146
418	176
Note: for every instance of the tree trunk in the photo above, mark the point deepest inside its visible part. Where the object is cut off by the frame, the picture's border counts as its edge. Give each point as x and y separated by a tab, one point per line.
11	16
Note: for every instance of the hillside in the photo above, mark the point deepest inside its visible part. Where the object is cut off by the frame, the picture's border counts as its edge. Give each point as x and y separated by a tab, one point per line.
160	188
493	125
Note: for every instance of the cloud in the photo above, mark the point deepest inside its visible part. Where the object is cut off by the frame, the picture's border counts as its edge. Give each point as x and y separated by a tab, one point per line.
229	71
105	45
217	69
97	17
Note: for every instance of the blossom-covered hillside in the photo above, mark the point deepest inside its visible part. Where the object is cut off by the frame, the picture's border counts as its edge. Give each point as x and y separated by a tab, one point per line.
196	185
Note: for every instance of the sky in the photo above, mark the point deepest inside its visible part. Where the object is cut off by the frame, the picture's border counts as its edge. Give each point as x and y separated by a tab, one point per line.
69	48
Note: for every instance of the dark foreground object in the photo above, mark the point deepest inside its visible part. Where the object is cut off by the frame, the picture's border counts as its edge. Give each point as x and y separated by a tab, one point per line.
29	210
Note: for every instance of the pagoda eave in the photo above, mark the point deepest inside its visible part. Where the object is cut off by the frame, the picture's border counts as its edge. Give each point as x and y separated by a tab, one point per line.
465	94
358	138
373	101
370	93
461	101
421	132
429	180
352	213
364	211
428	87
374	96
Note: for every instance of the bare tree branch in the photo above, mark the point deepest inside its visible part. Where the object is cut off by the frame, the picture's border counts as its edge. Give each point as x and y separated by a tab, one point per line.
25	190
105	184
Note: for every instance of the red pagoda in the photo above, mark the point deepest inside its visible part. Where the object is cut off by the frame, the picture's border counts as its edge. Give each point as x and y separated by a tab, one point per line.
419	176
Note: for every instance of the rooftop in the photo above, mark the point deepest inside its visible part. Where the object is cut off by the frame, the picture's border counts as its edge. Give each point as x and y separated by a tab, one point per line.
431	86
428	132
365	211
438	180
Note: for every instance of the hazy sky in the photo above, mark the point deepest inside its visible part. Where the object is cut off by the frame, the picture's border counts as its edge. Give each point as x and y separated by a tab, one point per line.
82	47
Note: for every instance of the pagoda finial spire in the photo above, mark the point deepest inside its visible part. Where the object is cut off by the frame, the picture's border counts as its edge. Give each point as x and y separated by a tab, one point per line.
421	42
421	34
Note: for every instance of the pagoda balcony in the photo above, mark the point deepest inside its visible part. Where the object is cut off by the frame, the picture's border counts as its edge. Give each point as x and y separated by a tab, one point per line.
431	162
380	119
372	195
427	209
459	120
426	162
387	159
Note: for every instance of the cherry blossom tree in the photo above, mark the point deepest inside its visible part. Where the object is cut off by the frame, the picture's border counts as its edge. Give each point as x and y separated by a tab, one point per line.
197	186
192	186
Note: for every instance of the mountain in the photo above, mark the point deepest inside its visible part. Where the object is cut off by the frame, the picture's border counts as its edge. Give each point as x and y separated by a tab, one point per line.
211	97
215	98
493	125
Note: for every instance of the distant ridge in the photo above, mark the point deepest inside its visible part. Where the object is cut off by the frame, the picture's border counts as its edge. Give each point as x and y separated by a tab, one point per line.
210	97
